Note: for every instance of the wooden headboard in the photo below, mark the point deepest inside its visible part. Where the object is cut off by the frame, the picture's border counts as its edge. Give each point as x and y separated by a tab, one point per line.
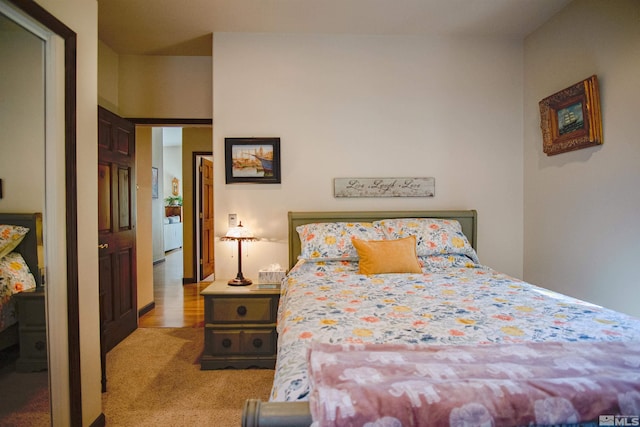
31	246
467	218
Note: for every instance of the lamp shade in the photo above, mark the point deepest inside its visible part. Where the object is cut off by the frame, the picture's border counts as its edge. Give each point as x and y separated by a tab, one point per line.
238	233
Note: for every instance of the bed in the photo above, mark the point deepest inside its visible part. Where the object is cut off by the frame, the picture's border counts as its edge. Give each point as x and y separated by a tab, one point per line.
19	267
454	317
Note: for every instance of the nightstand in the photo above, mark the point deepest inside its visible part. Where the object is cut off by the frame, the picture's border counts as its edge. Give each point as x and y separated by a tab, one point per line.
240	326
32	330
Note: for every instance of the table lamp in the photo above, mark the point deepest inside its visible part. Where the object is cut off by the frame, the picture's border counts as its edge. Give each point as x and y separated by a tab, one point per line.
240	234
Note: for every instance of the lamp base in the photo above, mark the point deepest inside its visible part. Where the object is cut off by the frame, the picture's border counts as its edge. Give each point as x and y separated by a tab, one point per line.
240	282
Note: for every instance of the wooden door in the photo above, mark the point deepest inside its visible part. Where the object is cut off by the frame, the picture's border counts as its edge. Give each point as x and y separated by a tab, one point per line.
206	218
116	229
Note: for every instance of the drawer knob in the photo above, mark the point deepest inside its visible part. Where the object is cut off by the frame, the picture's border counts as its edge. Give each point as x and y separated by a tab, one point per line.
241	310
40	345
226	343
257	343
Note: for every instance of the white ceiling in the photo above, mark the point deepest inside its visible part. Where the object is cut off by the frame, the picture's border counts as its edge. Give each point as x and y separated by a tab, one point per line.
184	27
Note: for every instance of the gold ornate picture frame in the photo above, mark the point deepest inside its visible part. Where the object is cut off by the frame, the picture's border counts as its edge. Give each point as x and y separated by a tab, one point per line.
571	119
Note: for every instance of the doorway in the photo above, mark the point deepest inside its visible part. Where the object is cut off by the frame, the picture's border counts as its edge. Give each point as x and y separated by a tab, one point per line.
195	139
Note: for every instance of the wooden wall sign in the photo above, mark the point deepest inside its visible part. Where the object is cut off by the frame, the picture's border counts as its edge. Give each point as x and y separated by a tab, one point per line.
384	187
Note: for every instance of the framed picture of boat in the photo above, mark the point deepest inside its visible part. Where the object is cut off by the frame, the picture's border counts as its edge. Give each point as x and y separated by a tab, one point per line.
255	160
571	119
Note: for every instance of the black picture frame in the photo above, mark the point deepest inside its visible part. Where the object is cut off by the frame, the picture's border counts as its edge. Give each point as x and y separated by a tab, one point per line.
252	160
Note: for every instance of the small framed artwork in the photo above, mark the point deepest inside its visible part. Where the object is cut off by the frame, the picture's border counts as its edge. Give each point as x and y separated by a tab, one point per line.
154	182
175	186
571	119
255	160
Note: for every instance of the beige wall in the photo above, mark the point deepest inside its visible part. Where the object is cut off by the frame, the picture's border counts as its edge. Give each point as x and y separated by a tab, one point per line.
144	208
165	86
154	86
108	65
372	106
581	208
194	140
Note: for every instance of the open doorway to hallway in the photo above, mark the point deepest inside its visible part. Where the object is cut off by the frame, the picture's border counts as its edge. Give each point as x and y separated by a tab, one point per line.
168	191
171	292
173	153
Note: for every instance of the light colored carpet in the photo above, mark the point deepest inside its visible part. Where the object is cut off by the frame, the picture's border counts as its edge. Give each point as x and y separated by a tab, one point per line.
154	379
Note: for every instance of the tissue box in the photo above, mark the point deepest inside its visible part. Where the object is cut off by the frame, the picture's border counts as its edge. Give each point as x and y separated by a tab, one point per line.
268	276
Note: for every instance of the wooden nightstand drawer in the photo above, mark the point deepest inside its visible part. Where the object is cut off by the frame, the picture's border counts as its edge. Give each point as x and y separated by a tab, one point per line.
241	310
241	341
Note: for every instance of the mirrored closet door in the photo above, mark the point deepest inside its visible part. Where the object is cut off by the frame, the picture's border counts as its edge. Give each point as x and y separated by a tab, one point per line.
38	173
24	378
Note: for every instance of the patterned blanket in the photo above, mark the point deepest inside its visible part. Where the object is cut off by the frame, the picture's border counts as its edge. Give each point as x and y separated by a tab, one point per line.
548	383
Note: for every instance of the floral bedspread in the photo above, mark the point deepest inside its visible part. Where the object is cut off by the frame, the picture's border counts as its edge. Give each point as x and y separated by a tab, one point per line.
14	277
454	302
541	384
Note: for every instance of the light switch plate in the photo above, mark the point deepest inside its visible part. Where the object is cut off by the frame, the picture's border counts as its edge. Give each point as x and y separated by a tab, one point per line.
233	220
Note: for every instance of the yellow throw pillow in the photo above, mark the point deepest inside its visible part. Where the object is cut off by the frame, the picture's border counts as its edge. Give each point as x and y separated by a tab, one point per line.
387	256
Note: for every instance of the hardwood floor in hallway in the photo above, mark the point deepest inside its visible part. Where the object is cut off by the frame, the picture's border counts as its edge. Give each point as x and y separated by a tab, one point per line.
176	305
